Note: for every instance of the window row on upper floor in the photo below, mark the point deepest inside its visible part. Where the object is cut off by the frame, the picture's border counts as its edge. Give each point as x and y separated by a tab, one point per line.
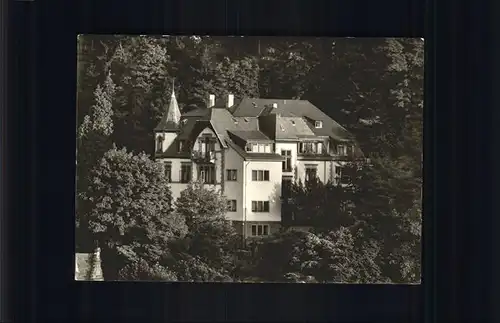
208	144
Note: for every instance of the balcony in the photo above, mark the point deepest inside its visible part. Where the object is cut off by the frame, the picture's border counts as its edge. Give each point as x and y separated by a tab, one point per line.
313	154
203	156
310	154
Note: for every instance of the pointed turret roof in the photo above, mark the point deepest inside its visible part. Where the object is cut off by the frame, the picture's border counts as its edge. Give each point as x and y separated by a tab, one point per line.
172	115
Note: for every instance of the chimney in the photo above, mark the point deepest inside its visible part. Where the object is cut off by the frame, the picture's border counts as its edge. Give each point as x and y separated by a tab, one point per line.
211	100
275	105
230	100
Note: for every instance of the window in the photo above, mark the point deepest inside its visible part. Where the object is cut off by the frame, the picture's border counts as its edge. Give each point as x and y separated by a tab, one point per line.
168	171
159	144
287	163
248	148
311	173
263	148
308	147
260	206
182	145
231	174
342	150
340	175
286	186
185	173
338	172
260	230
231	205
207	174
260	175
255	148
210	144
318	124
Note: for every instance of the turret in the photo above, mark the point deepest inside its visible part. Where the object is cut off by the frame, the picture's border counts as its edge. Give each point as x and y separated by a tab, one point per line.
166	130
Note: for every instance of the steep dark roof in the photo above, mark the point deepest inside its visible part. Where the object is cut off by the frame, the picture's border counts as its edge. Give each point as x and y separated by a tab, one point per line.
222	121
249	135
188	123
200	112
290	108
293	128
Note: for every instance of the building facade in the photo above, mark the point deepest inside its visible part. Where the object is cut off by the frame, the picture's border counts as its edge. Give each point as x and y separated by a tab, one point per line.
251	151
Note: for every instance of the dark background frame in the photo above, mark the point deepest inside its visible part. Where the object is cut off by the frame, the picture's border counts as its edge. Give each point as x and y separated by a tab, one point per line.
39	200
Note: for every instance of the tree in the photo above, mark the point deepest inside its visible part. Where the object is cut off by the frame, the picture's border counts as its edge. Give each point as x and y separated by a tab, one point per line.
387	199
142	270
211	238
131	215
285	67
317	257
404	261
195	269
314	203
143	66
93	139
239	77
96	55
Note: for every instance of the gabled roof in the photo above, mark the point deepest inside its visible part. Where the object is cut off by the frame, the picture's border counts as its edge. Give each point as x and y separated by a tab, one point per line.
171	117
252	107
257	119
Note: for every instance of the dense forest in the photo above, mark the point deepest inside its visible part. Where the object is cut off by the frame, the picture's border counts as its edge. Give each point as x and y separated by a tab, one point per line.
373	87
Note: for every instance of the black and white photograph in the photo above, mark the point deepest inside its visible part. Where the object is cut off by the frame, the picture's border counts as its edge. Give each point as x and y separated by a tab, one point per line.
245	159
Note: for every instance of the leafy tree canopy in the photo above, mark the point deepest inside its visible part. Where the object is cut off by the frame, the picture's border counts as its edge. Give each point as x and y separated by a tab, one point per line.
130	207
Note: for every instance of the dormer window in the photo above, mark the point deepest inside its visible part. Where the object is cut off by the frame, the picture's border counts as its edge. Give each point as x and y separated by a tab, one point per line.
342	150
318	124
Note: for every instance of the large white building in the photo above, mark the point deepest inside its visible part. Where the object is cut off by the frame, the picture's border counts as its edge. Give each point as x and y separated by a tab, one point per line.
251	150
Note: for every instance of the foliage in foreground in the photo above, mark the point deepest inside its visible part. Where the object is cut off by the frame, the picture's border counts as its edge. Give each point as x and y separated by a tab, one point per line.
142	270
211	239
306	256
131	214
